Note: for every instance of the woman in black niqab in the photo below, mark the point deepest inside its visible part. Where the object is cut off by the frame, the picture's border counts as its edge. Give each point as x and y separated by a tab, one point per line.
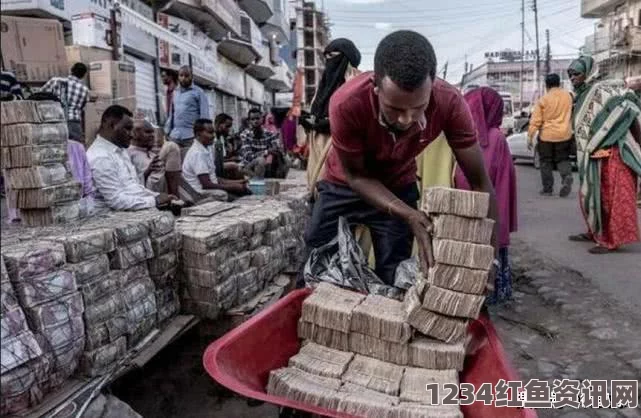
340	54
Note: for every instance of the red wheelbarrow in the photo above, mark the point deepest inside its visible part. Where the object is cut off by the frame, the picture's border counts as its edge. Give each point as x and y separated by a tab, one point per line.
242	359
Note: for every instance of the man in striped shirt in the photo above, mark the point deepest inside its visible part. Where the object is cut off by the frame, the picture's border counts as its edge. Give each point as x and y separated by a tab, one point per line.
73	94
9	87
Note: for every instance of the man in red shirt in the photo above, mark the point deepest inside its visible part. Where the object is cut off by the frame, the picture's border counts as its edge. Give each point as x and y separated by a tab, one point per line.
380	122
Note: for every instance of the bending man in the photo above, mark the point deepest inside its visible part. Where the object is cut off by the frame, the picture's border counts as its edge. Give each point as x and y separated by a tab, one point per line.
380	122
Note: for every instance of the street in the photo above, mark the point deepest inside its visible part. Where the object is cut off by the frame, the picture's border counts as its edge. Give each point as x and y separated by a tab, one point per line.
545	224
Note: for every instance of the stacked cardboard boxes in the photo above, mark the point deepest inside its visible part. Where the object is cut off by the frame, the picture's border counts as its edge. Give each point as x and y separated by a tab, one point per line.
33	49
112	82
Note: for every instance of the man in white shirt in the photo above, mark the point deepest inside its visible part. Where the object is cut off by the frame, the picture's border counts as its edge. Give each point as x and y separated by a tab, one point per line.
118	186
199	168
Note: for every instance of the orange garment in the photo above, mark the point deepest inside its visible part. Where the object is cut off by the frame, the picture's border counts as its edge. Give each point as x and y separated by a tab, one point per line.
552	117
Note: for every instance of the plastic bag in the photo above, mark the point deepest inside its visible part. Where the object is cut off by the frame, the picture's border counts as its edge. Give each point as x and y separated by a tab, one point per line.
406	273
341	262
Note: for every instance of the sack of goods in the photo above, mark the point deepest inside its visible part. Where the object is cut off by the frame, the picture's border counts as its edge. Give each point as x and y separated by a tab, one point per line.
33	142
24	370
231	251
381	368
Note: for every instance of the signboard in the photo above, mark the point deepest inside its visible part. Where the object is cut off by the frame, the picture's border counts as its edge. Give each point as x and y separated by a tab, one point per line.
56	8
510	55
92	18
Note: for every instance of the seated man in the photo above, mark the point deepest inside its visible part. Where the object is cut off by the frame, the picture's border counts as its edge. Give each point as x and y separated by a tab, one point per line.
160	169
261	151
116	182
222	145
199	169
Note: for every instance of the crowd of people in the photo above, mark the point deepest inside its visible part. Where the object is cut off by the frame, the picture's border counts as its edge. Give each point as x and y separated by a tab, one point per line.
372	142
132	164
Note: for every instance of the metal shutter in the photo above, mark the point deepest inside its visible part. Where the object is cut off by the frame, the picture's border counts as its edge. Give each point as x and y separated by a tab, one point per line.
229	106
145	88
219	101
213	109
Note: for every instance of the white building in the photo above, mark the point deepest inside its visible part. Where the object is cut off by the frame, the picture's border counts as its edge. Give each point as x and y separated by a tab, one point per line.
506	75
616	42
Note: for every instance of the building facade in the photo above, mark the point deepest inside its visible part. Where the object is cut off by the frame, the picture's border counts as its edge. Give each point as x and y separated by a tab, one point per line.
233	46
616	42
312	36
506	77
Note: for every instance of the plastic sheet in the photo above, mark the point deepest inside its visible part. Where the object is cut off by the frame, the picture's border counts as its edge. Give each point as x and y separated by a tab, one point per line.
341	262
406	273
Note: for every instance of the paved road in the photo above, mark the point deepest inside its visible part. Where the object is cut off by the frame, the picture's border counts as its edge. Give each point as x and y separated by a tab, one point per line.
546	222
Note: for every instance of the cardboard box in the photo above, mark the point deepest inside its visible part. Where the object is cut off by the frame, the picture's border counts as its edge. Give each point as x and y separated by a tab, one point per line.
90	29
116	79
33	49
86	55
94	111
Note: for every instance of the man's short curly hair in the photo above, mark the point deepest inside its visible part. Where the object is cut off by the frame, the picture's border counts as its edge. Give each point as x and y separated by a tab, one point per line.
407	58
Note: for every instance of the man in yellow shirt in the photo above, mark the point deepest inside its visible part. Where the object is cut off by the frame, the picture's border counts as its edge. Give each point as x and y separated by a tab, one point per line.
552	119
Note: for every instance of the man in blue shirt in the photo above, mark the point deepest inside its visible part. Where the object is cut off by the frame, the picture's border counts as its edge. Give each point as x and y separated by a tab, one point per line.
190	104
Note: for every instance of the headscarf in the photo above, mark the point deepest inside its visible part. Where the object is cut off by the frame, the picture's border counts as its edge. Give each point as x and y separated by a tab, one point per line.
334	75
486	106
584	65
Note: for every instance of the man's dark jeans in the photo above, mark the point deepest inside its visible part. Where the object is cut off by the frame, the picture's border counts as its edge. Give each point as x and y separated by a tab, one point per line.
552	153
391	237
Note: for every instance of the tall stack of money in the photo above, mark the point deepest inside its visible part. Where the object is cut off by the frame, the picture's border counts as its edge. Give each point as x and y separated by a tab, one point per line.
441	305
33	142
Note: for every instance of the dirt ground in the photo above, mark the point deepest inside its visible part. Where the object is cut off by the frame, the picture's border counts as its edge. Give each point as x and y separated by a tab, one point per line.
558	326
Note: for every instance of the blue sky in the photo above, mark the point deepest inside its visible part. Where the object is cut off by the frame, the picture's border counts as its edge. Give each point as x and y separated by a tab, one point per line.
459	27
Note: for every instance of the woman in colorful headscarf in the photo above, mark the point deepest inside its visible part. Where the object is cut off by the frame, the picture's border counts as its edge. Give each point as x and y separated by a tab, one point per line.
486	106
607	128
341	60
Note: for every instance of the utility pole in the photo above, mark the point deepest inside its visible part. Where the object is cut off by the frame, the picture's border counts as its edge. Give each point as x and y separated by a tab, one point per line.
445	71
537	70
522	54
548	55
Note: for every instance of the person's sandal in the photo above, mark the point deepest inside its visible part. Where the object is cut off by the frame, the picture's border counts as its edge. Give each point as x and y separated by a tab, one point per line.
580	238
599	250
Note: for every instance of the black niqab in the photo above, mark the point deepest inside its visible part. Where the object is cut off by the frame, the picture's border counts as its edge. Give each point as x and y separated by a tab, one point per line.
333	77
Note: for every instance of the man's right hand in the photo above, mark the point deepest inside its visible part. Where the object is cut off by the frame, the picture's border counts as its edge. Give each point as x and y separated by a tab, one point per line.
164	199
422	230
236	188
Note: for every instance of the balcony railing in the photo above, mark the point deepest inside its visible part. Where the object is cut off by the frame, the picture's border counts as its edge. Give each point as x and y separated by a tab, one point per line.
276	27
259	10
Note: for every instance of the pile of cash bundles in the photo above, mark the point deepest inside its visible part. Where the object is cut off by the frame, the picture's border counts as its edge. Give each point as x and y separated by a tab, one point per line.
453	293
48	352
34	159
230	252
359	356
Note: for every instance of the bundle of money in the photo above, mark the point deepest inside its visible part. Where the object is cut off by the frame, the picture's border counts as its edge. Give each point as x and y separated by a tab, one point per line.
33	146
231	251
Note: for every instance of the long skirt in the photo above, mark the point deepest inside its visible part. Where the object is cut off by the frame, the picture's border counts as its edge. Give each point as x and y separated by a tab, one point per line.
618	204
503	284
